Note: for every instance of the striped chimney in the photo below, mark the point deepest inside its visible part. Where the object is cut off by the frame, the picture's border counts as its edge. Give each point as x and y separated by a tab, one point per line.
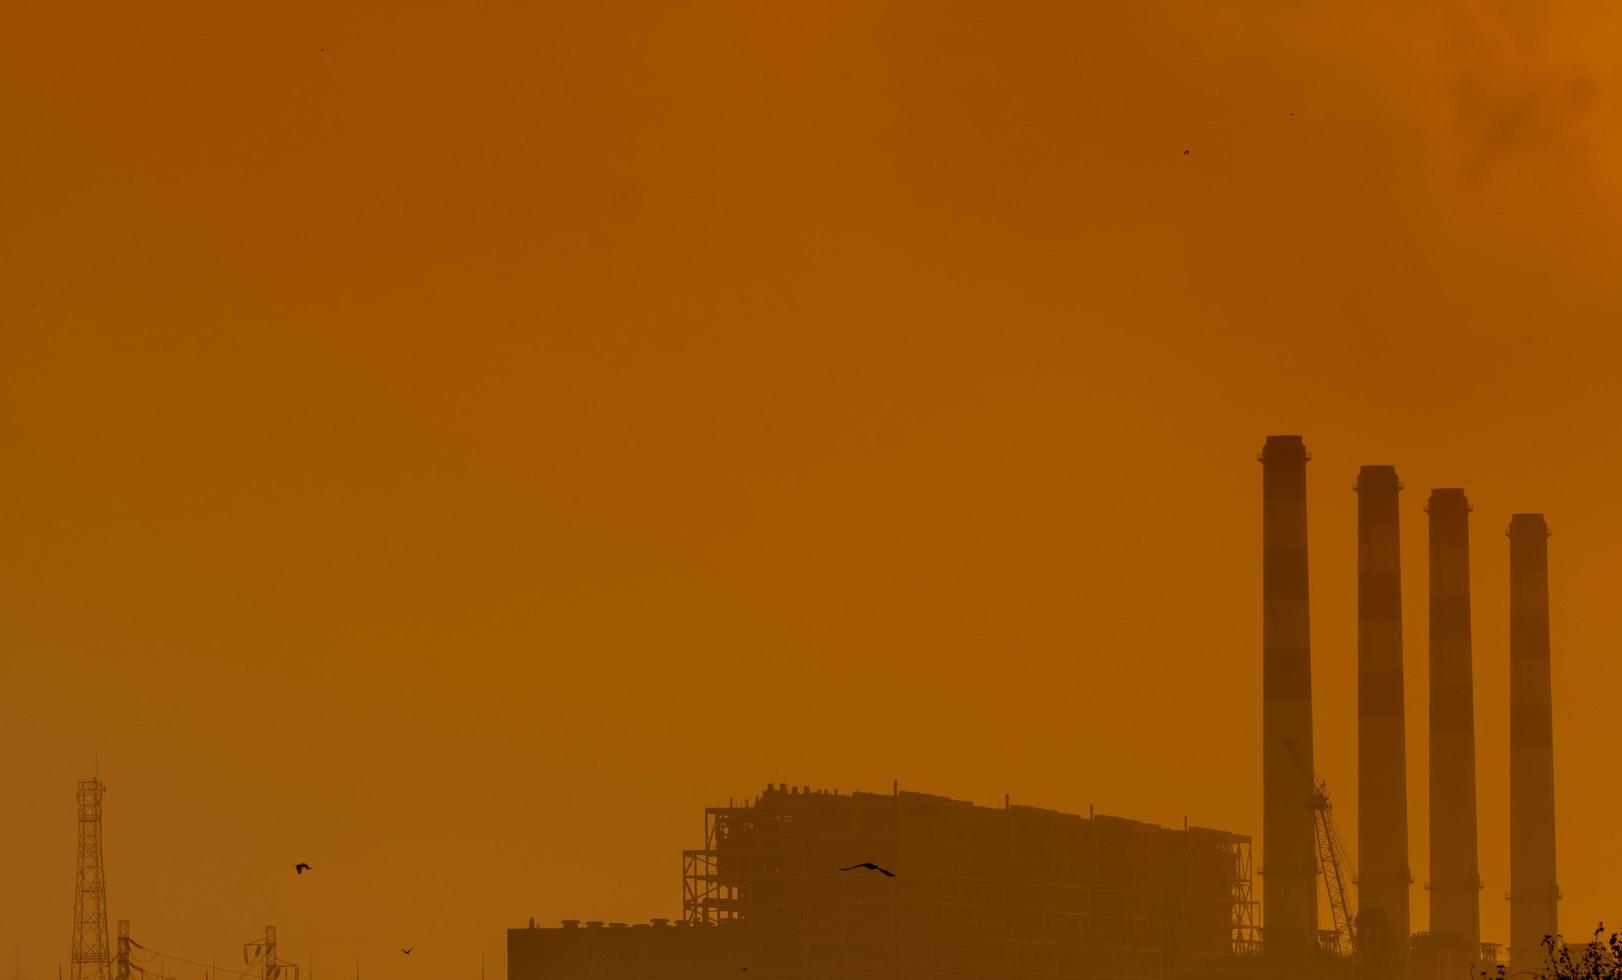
1533	891
1382	770
1289	843
1455	878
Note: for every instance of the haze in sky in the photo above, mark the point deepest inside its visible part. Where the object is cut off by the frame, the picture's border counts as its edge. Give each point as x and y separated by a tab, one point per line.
444	442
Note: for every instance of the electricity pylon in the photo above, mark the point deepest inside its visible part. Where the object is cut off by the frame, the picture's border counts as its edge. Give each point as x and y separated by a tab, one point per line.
90	953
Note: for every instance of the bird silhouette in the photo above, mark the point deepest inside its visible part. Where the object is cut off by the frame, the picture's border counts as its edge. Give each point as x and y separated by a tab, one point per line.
407	949
1185	153
870	866
300	868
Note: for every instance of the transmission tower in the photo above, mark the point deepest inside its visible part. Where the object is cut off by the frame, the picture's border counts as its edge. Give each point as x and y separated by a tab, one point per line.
122	960
90	953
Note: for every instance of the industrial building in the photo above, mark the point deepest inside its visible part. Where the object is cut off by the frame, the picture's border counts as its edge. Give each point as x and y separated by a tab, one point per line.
961	891
976	892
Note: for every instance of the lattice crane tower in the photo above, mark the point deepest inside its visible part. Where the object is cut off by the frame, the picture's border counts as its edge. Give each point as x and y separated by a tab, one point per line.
90	948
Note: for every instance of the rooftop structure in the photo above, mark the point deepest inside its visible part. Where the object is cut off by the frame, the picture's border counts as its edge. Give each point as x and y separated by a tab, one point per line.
977	892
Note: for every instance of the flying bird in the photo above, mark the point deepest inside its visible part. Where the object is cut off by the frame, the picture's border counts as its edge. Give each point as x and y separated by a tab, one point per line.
407	949
870	866
1185	153
300	868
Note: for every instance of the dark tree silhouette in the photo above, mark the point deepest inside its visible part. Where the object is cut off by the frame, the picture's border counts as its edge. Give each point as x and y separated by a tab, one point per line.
1598	959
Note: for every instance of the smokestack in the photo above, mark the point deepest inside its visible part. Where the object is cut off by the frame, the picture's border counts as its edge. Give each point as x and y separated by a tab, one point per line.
1382	769
1455	883
1533	892
1289	843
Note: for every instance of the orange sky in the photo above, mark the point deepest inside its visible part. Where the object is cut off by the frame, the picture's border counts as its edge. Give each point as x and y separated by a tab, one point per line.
451	444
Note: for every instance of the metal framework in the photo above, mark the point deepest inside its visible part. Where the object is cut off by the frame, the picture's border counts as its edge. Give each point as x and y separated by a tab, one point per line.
263	952
1330	853
1334	863
122	961
1034	892
1247	936
706	898
91	959
260	951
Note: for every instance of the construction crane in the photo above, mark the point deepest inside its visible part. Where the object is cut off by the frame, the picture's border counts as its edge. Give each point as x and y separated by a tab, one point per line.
1333	859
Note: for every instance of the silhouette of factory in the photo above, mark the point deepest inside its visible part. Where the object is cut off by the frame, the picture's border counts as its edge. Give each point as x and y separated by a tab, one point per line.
1021	892
977	892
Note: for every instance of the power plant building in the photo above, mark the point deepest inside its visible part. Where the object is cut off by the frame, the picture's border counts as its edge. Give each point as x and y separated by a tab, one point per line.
978	892
957	891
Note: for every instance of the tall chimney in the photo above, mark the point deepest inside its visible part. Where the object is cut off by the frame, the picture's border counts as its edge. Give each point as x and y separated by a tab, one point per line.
1533	892
1289	843
1382	769
1455	879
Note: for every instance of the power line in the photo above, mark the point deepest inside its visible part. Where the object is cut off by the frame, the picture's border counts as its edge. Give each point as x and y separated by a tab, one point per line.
207	966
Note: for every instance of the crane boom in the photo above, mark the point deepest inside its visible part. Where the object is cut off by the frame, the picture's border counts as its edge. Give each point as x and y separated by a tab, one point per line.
1333	860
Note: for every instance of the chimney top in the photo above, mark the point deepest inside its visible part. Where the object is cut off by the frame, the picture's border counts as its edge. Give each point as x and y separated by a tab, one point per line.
1284	449
1448	498
1527	526
1377	478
